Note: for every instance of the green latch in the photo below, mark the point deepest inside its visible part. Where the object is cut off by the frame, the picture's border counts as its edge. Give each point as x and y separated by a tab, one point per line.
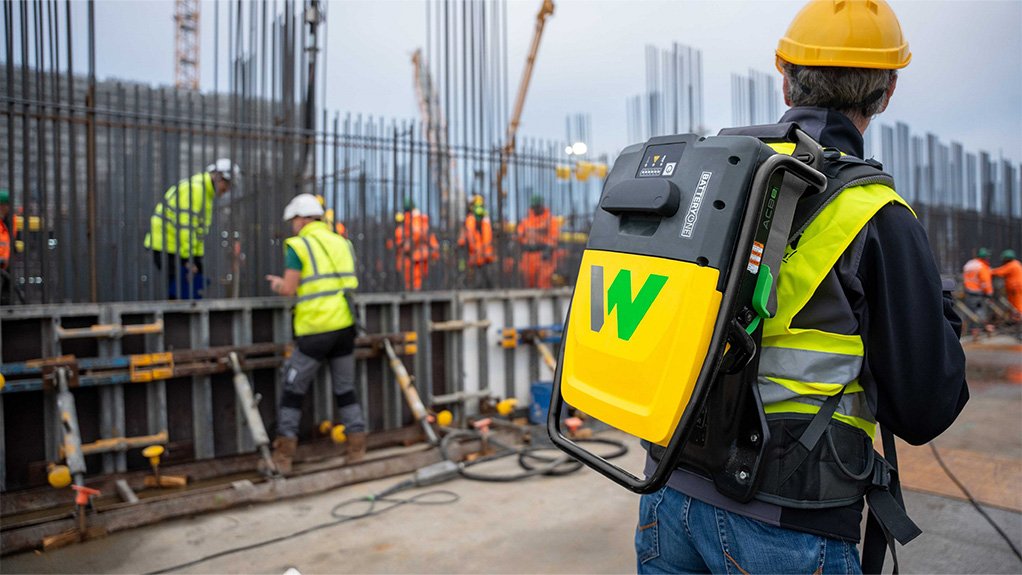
761	296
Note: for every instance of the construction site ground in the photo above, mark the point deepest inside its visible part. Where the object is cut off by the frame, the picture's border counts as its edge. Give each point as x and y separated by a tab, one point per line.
579	523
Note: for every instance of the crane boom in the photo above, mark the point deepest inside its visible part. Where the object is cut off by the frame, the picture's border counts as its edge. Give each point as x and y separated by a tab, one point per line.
546	10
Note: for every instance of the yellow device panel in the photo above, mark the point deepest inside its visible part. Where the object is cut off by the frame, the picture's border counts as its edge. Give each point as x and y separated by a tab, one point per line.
638	334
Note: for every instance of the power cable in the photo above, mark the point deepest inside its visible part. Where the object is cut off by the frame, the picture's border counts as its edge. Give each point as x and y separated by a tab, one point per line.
975	503
434	497
429	475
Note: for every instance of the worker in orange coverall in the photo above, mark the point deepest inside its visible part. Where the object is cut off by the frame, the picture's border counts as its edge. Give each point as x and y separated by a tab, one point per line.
477	239
415	246
1011	270
537	235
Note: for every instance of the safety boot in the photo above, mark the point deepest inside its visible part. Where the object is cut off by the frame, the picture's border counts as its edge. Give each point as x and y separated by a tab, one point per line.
284	453
356	447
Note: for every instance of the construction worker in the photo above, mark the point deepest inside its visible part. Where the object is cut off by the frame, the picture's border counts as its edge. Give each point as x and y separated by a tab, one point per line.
860	287
320	270
1011	270
978	284
178	227
415	245
477	239
6	243
537	235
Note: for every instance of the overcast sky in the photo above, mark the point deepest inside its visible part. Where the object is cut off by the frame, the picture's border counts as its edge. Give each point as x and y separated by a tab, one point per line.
964	82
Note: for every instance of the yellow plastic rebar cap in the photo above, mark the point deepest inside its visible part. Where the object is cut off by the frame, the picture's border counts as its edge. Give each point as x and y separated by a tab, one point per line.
847	34
153	451
59	476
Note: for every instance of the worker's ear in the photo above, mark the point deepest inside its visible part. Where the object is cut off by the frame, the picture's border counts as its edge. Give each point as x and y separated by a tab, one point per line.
890	93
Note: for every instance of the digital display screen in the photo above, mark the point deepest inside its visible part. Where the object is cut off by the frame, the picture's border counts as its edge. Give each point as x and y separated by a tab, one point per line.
660	161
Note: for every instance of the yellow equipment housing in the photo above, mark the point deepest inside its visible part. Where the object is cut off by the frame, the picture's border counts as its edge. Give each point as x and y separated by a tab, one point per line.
666	355
672	288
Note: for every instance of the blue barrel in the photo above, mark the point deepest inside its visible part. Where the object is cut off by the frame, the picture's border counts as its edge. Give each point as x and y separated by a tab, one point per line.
541	394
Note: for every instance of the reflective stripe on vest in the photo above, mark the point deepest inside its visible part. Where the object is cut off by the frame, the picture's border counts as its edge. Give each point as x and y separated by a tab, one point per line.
800	368
180	220
328	269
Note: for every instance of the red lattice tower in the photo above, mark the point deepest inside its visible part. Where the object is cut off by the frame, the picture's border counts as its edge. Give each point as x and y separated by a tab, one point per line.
186	44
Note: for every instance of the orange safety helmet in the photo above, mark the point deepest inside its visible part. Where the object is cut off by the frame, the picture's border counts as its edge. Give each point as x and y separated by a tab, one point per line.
846	34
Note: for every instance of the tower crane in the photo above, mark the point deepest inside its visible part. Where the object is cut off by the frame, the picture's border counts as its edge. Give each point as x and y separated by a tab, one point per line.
186	44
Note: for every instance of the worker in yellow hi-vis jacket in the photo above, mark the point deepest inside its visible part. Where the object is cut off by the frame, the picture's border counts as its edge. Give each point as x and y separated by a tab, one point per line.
320	270
179	225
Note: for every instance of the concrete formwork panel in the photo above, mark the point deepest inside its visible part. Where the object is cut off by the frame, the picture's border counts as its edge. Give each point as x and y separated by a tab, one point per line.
200	413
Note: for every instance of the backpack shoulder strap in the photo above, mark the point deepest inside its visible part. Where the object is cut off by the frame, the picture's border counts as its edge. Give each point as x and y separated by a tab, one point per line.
842	172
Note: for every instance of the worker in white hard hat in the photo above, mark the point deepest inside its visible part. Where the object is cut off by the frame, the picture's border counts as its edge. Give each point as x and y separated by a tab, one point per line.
320	270
179	225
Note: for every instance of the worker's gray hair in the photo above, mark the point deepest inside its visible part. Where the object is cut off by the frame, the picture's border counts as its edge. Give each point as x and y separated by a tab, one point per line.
859	93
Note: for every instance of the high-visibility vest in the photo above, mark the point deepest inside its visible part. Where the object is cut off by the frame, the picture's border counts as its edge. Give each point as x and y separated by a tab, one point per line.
800	368
478	237
328	269
181	219
976	277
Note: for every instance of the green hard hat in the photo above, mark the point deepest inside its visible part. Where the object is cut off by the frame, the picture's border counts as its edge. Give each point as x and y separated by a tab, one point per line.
5	196
536	201
983	253
409	204
1008	254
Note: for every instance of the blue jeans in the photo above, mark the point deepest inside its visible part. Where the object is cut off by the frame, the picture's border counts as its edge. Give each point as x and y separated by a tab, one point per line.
679	534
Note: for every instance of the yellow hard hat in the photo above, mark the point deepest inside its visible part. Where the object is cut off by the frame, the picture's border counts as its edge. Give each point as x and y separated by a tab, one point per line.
846	34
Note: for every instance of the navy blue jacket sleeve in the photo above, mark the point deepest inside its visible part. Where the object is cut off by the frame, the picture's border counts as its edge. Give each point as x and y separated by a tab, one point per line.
912	334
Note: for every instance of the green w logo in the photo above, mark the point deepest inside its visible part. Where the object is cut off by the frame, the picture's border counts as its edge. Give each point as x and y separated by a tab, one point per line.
629	311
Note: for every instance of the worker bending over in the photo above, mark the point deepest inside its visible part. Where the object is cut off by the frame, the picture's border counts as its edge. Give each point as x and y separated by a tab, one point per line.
978	284
179	224
537	235
320	270
477	239
858	288
1011	270
415	245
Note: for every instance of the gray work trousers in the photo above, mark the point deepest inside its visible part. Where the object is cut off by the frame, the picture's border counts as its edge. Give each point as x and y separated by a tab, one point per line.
299	372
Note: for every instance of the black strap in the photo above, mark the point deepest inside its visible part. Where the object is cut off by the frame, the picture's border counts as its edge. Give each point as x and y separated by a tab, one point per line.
888	521
791	190
812	434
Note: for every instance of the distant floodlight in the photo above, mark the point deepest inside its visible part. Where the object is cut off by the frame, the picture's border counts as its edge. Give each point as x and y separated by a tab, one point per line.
567	150
579	148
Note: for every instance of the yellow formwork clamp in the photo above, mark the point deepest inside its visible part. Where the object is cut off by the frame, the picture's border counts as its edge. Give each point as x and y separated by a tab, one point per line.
563	172
509	338
600	171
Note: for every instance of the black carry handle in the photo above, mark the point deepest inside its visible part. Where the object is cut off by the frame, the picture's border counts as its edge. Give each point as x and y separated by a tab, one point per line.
613	472
740	342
